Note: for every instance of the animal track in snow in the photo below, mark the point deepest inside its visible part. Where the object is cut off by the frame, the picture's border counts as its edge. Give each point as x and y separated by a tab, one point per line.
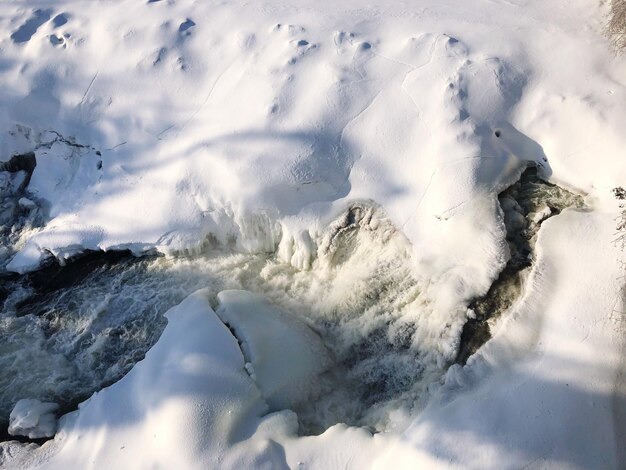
60	20
303	48
289	29
26	31
185	27
57	41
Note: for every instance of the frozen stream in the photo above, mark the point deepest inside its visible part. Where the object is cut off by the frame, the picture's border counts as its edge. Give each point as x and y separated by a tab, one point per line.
67	332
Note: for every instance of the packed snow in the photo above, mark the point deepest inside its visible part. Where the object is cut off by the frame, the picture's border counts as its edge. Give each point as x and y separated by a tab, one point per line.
339	165
284	356
33	419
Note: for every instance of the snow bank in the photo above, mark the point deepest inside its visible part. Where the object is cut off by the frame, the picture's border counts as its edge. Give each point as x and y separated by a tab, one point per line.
240	147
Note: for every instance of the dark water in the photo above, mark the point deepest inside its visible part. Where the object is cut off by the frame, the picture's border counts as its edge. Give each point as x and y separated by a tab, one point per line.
525	206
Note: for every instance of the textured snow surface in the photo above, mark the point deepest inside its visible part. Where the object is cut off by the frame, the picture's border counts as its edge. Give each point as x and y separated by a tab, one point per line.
258	128
33	419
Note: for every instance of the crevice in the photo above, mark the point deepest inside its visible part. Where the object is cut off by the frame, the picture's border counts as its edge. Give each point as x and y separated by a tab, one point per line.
525	206
69	141
26	163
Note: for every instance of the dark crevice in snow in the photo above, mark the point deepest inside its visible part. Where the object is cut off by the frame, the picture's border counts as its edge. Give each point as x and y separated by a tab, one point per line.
25	162
5	436
525	206
20	213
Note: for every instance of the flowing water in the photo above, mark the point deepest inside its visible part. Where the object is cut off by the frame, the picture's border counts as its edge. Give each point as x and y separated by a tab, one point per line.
66	332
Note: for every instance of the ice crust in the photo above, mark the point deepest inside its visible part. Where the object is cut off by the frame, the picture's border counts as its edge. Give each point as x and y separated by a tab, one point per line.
284	356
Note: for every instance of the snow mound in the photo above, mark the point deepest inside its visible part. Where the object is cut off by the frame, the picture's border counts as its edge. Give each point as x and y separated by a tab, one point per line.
33	418
285	356
187	403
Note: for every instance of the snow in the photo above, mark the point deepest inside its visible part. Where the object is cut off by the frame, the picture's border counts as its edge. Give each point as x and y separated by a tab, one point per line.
33	419
547	390
285	356
26	203
258	128
185	405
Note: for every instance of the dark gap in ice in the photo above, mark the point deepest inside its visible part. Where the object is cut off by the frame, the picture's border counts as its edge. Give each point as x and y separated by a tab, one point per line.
26	163
525	206
5	436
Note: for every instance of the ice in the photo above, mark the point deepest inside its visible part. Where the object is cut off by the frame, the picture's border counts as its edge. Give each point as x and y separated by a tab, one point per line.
26	203
285	356
90	321
33	419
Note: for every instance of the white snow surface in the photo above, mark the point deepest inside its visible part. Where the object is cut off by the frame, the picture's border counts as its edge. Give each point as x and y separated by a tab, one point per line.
285	356
33	418
178	126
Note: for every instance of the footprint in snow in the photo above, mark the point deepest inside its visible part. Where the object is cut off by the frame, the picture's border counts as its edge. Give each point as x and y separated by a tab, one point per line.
26	31
289	29
341	37
57	41
60	20
185	27
303	47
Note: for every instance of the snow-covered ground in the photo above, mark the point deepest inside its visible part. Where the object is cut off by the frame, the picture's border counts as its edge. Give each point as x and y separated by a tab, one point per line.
351	156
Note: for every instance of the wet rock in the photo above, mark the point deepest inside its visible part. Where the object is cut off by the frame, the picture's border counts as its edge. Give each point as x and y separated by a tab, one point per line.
525	206
24	162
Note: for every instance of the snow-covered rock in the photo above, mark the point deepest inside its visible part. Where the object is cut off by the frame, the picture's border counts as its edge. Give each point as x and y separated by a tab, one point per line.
26	203
285	356
33	418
